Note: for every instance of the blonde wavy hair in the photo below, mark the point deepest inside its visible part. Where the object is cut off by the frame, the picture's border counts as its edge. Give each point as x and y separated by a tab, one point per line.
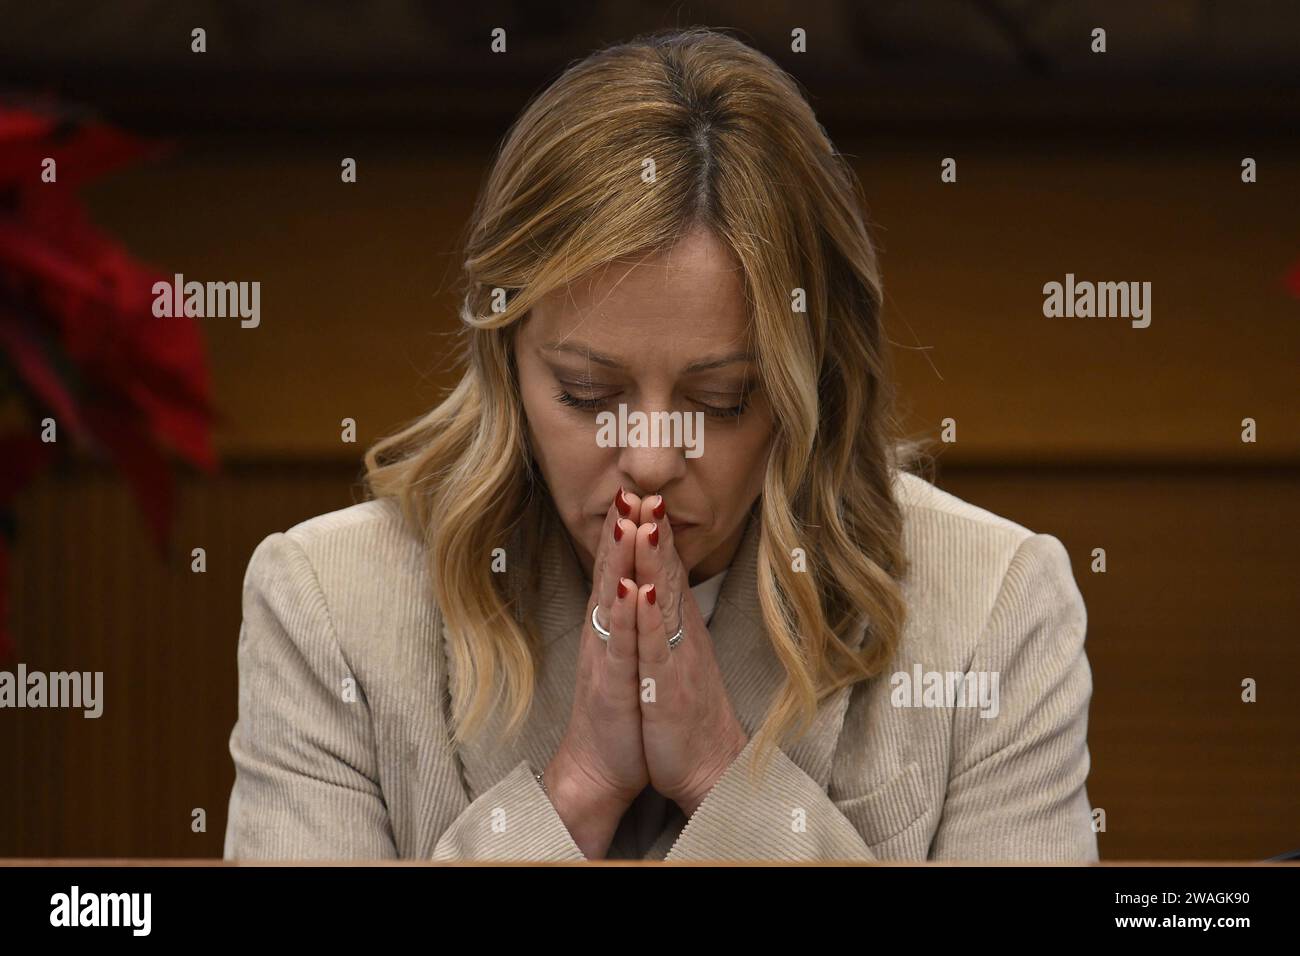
735	147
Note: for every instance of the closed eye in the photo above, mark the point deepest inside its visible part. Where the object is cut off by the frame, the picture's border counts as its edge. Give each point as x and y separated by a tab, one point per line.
593	404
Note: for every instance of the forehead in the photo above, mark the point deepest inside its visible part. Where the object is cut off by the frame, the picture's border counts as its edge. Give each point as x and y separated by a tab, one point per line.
688	297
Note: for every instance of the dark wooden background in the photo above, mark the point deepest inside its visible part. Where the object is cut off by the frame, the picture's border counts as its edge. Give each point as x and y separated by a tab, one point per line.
1103	435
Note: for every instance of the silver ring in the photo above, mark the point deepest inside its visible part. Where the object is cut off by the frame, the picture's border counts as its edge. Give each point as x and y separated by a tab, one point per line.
604	634
677	638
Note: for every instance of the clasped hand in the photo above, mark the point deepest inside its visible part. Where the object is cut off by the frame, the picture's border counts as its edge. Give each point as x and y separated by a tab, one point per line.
643	713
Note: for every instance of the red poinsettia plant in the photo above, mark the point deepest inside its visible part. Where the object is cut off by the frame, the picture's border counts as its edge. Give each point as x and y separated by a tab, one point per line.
85	366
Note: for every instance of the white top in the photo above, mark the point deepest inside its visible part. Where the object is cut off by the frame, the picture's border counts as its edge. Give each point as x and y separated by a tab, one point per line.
706	594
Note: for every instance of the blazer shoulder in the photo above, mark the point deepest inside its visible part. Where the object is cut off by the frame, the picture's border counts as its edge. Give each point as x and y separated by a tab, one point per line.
377	516
921	500
961	555
364	562
352	538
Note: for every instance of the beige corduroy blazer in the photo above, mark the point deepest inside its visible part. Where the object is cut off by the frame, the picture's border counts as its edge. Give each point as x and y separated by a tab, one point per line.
889	771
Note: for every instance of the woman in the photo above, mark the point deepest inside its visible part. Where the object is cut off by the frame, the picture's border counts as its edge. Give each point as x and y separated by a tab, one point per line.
755	635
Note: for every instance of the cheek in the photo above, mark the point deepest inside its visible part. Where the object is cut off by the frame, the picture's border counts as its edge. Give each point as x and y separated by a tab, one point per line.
733	468
564	446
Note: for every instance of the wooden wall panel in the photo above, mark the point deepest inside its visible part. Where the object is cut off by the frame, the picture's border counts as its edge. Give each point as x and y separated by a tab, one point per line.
359	320
1199	592
91	594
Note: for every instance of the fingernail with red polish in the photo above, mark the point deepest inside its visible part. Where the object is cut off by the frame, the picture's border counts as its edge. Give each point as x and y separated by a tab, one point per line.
660	508
654	535
621	502
622	588
618	532
650	595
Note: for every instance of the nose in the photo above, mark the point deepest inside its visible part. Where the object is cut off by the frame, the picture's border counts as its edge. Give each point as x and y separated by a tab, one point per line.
648	468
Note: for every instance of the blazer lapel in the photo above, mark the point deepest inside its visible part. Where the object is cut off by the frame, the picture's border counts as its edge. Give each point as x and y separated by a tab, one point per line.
547	578
751	671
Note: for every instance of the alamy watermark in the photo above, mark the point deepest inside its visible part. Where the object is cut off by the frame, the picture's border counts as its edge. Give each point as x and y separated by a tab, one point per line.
652	430
130	910
213	300
977	689
57	689
1127	300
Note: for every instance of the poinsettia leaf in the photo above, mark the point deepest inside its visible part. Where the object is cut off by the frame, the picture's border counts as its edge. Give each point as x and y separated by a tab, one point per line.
1293	280
82	145
31	362
81	334
145	469
24	456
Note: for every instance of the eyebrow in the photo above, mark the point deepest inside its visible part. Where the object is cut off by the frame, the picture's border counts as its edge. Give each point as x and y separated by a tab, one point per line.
599	359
